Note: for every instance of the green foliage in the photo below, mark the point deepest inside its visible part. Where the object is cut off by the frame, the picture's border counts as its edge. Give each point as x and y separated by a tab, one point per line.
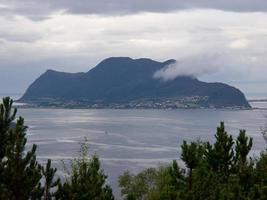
23	178
86	179
49	173
219	171
138	187
19	171
192	155
220	156
152	184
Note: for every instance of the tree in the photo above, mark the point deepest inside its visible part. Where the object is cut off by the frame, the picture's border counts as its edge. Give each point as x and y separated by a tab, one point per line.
7	116
137	186
23	178
192	155
49	173
243	147
220	156
219	171
20	172
243	166
86	180
165	182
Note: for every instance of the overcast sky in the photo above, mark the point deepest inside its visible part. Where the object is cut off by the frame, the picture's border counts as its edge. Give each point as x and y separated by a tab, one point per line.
216	40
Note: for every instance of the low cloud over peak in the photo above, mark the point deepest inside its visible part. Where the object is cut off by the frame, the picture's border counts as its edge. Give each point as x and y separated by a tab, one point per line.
192	66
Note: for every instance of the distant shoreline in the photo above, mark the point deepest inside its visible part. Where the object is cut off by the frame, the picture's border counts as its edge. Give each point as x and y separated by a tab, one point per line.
29	106
257	100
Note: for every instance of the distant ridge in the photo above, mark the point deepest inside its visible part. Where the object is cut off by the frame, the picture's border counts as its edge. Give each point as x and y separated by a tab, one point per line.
123	82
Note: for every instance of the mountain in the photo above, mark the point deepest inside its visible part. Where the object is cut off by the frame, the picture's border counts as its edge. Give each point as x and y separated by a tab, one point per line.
122	81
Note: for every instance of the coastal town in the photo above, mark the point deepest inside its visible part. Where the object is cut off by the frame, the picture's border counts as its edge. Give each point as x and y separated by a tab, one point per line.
190	102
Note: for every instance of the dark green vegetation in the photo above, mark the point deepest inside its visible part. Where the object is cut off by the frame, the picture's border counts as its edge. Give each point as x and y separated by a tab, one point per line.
219	171
128	82
22	177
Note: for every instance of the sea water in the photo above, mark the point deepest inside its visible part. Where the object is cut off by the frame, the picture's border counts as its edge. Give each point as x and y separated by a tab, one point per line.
133	139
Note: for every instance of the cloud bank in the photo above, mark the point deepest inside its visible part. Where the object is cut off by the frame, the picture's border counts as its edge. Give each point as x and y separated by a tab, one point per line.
40	9
74	36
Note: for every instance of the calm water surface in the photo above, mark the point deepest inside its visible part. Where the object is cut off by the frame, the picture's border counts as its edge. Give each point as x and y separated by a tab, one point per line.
132	139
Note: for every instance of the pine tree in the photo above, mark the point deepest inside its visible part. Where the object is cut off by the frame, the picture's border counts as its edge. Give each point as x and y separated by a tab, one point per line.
49	173
20	172
192	154
243	147
220	156
244	168
87	180
7	116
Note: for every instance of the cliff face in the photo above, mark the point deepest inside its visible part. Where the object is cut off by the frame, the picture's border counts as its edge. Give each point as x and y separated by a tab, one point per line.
121	80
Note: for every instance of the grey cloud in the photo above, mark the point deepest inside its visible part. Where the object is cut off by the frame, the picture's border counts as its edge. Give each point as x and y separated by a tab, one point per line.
77	43
13	37
39	9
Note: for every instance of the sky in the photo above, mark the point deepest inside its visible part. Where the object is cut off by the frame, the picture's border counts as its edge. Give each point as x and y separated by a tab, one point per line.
214	40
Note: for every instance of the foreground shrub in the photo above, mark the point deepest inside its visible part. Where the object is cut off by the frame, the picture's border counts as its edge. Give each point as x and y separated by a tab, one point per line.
23	178
219	171
86	179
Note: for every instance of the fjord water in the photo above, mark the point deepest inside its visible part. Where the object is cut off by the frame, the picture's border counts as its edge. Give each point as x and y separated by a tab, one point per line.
132	139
